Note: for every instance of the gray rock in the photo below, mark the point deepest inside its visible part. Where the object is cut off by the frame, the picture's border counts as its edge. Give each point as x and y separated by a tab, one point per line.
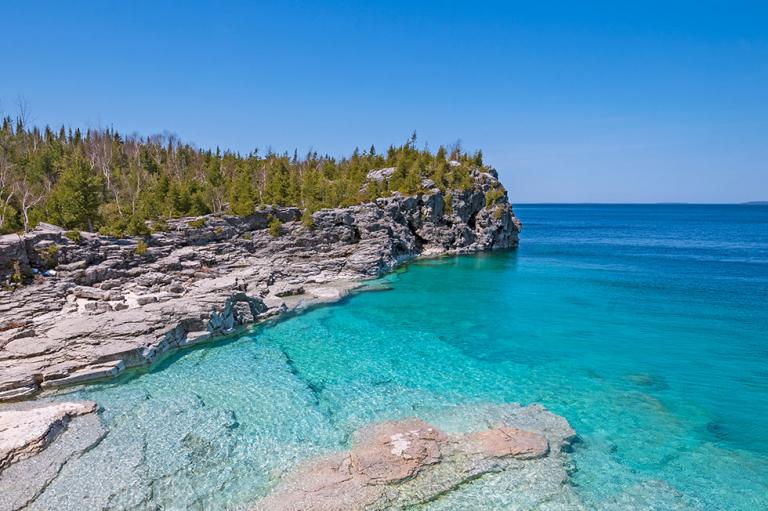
211	279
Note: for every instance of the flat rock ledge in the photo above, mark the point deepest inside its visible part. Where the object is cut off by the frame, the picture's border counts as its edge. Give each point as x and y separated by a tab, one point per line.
100	305
26	432
398	464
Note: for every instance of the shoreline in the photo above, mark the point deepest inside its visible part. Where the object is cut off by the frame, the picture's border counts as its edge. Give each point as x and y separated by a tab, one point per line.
108	305
302	304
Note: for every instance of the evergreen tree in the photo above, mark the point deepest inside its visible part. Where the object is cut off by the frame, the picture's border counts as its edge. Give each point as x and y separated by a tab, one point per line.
241	199
75	199
98	179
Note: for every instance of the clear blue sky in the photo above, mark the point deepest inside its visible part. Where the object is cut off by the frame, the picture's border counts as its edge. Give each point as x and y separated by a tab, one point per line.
572	101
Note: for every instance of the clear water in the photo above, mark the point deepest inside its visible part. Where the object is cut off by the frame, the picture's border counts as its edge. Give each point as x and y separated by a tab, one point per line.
645	326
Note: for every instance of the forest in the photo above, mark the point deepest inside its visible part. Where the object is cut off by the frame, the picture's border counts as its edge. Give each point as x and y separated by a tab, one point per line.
103	181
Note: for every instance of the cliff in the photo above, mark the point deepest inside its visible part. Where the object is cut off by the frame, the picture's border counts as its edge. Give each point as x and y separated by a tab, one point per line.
97	305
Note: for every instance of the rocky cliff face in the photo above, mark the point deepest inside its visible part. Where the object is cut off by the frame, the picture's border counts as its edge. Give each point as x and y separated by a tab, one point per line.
98	304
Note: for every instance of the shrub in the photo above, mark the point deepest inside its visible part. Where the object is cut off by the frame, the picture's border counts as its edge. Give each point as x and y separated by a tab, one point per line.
17	277
247	236
274	227
111	231
448	204
141	248
50	255
160	226
137	227
307	220
197	224
492	196
74	236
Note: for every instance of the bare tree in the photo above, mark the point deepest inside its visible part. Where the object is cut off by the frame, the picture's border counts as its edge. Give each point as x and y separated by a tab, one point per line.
98	150
30	193
136	178
6	187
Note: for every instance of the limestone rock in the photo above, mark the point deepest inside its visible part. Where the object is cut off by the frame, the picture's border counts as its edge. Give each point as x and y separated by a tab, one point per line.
397	464
24	433
103	302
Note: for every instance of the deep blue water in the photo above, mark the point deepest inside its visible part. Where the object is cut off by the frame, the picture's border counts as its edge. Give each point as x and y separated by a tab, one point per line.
645	326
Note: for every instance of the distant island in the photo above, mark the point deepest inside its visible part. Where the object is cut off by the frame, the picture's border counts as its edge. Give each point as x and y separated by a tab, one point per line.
756	203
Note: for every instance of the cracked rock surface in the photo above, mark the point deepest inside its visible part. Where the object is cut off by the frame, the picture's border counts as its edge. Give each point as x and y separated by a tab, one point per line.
406	463
102	305
25	432
24	481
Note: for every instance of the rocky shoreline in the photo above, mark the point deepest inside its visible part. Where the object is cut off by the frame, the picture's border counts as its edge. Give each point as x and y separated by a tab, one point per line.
99	305
93	306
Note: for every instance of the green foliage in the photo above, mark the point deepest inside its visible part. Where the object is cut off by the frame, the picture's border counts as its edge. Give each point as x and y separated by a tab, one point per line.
75	199
197	223
448	204
137	226
274	226
120	227
50	255
8	218
160	225
307	220
74	236
141	248
101	180
493	196
242	199
17	276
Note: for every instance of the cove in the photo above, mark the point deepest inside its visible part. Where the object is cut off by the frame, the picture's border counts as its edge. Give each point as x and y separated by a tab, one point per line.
644	326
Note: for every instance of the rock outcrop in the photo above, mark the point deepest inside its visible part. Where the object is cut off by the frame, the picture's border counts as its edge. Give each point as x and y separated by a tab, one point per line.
398	464
36	441
26	432
99	305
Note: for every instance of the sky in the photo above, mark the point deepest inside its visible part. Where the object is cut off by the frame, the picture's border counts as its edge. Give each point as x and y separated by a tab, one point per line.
612	101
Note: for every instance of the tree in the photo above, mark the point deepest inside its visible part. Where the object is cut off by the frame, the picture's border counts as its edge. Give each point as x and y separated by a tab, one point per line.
98	179
30	187
215	181
76	197
6	191
241	199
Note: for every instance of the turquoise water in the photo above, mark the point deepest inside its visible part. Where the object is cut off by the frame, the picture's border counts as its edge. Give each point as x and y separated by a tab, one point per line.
645	326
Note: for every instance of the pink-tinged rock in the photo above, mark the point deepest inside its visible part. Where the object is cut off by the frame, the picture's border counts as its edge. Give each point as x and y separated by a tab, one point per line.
503	442
400	463
393	451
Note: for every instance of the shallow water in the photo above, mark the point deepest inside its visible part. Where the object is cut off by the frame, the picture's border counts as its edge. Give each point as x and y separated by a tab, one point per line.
645	326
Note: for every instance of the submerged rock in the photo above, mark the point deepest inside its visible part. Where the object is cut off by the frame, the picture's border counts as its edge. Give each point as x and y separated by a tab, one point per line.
26	432
398	464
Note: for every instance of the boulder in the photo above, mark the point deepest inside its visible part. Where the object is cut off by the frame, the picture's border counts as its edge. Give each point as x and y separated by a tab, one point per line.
398	464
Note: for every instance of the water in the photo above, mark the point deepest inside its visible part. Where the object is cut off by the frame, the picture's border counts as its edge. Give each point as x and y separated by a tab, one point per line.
645	326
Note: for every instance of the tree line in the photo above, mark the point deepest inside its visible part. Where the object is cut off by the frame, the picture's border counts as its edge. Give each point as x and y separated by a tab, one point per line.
103	181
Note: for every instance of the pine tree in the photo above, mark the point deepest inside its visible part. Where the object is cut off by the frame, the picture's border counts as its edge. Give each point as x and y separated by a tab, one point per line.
75	199
241	198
